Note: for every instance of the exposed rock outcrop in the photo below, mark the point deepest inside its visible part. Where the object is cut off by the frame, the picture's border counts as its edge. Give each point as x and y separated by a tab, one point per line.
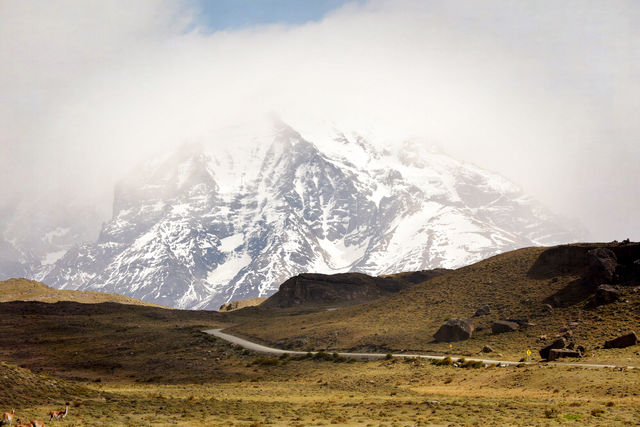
602	265
340	289
606	294
454	330
622	341
558	353
556	344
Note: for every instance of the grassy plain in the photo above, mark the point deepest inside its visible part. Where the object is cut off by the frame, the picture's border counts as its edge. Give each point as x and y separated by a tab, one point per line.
139	365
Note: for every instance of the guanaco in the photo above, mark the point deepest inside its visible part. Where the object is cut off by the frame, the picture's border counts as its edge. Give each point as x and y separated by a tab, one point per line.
59	415
22	425
37	423
8	417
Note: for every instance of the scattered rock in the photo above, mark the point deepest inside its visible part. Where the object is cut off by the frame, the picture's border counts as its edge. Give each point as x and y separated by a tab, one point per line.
487	349
542	338
602	265
606	294
557	353
573	324
454	330
501	326
622	341
557	344
483	311
523	323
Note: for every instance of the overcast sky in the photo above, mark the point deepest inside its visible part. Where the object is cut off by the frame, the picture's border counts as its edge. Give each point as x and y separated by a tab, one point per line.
546	93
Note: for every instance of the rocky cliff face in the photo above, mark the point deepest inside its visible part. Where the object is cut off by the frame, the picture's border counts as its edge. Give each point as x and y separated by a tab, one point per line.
335	289
210	224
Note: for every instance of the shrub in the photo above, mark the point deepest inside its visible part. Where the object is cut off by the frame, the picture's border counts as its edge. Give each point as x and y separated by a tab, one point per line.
266	361
475	364
443	362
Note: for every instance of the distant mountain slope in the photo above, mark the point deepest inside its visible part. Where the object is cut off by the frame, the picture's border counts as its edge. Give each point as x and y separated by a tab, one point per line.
552	288
30	290
210	224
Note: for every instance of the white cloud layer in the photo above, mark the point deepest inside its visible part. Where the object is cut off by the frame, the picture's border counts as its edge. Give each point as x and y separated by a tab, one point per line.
546	93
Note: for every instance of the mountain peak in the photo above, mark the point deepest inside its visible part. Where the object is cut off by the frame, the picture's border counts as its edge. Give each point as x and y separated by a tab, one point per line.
235	216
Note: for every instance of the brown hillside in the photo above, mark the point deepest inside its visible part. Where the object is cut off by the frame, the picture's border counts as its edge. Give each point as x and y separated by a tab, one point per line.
30	290
515	285
22	387
78	341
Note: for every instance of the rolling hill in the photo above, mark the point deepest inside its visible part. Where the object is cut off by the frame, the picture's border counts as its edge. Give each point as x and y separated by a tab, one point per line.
548	288
31	290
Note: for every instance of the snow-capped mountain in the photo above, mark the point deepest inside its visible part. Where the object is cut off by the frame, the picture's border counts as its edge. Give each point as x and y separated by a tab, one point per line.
233	220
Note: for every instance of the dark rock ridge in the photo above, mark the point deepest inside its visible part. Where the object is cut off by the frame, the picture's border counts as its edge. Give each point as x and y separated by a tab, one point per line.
593	261
454	330
338	289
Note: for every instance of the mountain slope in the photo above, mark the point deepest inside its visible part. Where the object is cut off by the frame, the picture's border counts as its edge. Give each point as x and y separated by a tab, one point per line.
232	220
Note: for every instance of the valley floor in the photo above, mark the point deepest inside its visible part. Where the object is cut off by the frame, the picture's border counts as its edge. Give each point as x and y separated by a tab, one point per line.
248	389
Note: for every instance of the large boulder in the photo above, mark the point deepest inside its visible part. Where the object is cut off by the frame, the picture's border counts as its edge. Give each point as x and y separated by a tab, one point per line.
606	294
557	353
602	265
626	340
454	330
558	343
501	326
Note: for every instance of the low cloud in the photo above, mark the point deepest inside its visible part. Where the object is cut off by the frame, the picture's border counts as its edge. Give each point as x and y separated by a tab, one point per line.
545	93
